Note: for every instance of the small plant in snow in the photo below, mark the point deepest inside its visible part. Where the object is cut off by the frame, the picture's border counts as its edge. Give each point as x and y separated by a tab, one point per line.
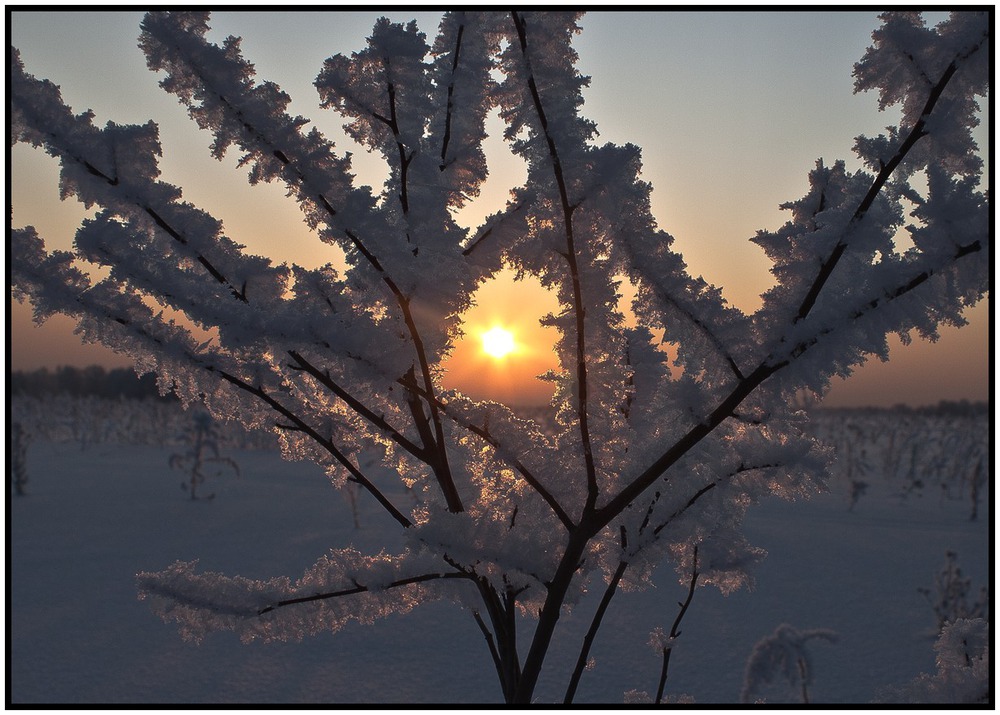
663	643
977	478
641	697
18	474
782	656
858	488
202	439
951	595
653	454
964	674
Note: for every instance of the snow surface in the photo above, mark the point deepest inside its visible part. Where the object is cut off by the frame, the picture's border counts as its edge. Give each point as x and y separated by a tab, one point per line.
93	518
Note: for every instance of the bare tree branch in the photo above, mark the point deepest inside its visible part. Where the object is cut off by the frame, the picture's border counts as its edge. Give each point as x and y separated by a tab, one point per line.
491	644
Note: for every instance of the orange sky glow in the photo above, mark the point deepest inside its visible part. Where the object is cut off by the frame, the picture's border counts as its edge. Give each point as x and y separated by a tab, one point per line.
712	204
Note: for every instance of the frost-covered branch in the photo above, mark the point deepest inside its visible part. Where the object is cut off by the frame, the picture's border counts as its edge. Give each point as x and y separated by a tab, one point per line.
570	255
501	450
201	71
965	672
327	444
135	322
917	131
773	364
665	446
923	272
377	421
514	212
35	103
280	610
358	589
700	493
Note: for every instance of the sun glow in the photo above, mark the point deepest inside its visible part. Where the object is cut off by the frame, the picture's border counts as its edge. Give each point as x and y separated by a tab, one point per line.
498	342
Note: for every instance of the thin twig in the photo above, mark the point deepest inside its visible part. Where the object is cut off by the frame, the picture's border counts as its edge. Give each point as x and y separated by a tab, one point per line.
359	407
703	491
492	646
509	212
327	444
706	330
358	589
595	625
675	628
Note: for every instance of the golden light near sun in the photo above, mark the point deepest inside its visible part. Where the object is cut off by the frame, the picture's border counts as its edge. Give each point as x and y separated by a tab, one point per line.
498	342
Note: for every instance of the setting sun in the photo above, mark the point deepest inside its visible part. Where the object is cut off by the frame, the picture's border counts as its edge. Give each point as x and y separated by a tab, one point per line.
498	342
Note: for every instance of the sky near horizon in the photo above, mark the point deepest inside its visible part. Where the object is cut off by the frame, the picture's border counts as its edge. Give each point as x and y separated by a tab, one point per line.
731	109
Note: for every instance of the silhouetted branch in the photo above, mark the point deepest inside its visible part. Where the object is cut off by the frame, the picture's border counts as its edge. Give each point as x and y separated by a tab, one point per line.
916	132
358	589
595	625
450	104
578	308
491	644
327	444
360	408
674	629
501	451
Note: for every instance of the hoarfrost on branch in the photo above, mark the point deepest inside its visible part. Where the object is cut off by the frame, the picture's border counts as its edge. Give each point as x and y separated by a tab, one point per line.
647	462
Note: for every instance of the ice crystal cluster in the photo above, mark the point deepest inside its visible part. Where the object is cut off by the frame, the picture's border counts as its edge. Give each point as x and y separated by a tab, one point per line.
652	454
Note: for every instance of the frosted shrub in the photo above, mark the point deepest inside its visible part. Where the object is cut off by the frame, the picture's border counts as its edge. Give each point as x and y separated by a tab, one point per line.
641	697
964	675
782	657
951	596
650	456
977	478
202	440
913	453
858	489
18	466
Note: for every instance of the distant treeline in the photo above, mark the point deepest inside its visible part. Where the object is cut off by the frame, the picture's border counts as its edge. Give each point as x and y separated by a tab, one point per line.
83	381
945	408
123	382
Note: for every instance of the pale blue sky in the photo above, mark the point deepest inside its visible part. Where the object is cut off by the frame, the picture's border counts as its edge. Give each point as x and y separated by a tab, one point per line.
731	110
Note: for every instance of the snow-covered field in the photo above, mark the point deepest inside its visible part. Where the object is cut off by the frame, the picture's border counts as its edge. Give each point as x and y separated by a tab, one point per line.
94	517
